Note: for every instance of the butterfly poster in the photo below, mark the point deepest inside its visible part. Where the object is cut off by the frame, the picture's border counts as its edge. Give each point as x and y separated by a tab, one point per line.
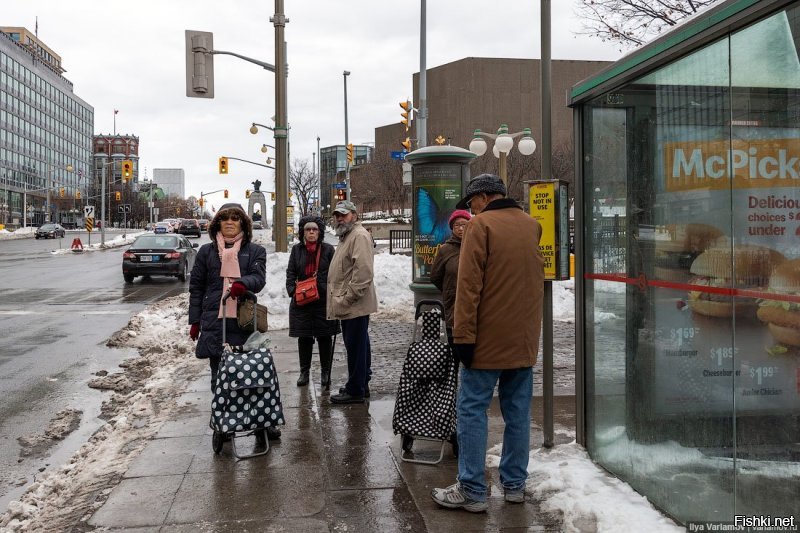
436	193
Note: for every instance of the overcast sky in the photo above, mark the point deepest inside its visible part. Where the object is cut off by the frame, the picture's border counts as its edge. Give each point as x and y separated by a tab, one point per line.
130	56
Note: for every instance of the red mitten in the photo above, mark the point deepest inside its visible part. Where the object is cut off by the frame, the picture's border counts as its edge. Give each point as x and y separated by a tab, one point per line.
237	289
194	331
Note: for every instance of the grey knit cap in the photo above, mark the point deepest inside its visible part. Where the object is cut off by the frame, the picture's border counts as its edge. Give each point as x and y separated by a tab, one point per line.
485	183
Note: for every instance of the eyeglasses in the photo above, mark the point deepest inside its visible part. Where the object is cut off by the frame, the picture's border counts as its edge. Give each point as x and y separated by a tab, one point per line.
460	225
310	229
230	216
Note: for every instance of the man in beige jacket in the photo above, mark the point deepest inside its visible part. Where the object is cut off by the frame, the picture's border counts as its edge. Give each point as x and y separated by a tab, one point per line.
497	322
352	298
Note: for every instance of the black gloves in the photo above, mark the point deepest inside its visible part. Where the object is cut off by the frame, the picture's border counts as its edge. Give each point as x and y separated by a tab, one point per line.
464	353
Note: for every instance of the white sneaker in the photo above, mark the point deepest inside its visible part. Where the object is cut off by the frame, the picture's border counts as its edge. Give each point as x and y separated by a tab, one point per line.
452	498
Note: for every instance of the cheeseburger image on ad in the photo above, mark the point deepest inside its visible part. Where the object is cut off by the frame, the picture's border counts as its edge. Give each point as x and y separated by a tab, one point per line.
743	267
783	317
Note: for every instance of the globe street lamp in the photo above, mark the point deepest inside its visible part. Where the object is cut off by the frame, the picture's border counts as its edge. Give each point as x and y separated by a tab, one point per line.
503	143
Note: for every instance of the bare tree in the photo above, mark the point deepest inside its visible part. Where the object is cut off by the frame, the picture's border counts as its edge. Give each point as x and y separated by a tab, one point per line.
380	185
631	23
303	183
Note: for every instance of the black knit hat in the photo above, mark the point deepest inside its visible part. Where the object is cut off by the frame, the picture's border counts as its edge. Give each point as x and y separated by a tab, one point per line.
485	183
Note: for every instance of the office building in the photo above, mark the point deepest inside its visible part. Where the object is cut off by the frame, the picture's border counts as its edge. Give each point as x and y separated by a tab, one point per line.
170	180
45	135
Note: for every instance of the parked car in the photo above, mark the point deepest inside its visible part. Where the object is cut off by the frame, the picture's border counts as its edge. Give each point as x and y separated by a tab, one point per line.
150	226
189	226
163	255
203	224
50	231
163	227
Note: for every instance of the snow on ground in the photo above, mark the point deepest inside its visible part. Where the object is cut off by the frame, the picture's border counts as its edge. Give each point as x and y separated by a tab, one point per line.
21	233
116	242
156	377
566	482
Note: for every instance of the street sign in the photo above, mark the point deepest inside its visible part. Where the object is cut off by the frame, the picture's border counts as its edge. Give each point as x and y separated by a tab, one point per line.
399	155
340	185
124	208
88	211
89	223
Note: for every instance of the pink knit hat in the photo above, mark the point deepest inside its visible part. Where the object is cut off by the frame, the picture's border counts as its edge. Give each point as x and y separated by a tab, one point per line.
458	213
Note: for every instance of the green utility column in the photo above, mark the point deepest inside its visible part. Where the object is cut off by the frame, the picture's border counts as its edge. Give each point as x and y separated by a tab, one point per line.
439	175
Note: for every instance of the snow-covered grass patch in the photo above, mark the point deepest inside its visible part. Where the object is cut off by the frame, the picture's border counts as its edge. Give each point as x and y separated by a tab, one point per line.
116	242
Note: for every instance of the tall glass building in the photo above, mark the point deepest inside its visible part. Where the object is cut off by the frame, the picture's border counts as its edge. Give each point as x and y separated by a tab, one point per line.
45	135
689	302
332	166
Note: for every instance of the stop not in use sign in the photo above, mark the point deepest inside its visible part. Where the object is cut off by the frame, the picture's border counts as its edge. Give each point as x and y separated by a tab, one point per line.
549	205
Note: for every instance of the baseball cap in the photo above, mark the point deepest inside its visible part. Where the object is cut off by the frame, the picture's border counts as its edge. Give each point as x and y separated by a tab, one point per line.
344	207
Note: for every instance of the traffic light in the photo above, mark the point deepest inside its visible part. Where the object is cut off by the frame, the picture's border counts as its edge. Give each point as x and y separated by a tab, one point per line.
127	169
223	165
341	194
272	196
118	196
225	192
350	153
77	195
177	210
406	144
61	192
406	114
247	193
201	202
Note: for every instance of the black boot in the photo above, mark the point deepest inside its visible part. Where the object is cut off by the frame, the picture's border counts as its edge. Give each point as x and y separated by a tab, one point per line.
325	361
304	346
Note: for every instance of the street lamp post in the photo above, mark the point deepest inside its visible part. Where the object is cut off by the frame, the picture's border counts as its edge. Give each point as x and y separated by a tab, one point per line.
503	143
346	136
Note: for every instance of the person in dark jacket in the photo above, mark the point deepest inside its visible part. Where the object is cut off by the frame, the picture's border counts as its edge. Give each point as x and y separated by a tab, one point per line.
230	262
308	322
444	270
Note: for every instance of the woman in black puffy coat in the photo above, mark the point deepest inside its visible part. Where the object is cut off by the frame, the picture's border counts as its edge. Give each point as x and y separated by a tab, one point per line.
309	322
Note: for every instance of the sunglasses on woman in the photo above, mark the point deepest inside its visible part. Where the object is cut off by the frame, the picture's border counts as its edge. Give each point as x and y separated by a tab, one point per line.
230	216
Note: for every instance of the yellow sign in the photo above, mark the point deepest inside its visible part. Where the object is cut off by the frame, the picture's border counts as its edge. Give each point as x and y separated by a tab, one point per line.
748	164
542	198
89	224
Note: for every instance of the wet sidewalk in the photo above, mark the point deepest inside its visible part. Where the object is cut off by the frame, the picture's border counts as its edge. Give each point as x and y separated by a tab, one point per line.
335	468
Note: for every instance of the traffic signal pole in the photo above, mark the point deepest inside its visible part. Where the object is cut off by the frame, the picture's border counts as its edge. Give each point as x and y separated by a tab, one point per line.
281	132
346	138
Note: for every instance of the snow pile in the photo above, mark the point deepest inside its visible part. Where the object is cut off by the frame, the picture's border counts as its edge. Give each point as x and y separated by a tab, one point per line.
116	242
392	277
20	233
60	498
568	483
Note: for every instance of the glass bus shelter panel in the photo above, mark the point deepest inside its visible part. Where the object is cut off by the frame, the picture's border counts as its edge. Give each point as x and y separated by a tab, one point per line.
661	372
765	173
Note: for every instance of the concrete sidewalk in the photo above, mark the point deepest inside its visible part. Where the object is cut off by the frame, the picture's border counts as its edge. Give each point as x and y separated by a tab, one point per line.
336	468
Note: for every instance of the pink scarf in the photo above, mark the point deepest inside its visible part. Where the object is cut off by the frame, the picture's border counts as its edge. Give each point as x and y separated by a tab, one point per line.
229	272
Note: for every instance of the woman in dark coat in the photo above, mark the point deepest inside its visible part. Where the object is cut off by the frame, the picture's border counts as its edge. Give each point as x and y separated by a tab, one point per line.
308	322
444	270
230	262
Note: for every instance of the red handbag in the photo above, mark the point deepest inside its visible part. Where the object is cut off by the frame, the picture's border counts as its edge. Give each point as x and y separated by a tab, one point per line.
306	291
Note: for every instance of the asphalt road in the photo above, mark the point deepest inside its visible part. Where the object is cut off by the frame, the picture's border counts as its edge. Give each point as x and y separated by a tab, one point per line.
56	312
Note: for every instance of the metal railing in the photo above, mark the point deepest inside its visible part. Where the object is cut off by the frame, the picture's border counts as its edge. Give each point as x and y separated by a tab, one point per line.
400	241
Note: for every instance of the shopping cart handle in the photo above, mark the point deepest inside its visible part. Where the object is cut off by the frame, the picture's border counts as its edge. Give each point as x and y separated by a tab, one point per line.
248	294
432	303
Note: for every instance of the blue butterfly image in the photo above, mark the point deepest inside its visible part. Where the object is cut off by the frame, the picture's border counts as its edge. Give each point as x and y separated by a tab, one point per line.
431	219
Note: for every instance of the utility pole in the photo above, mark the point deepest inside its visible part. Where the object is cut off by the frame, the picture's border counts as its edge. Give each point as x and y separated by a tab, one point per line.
279	20
422	119
346	137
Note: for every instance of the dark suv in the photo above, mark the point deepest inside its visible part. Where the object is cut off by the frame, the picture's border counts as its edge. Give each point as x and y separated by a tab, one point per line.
189	226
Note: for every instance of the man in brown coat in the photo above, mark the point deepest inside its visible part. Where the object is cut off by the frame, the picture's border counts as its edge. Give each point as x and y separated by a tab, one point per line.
498	316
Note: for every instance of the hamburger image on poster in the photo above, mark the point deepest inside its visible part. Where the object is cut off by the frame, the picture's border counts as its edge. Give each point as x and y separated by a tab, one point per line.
743	266
783	317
